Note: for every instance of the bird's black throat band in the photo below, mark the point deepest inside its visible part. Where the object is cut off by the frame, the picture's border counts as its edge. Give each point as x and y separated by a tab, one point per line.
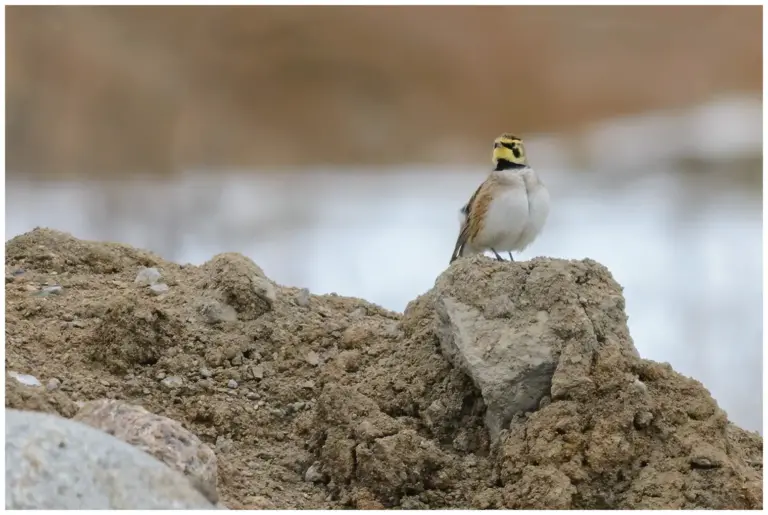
503	164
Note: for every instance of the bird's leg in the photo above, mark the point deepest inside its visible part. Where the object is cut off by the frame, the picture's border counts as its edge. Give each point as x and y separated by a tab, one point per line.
510	256
497	255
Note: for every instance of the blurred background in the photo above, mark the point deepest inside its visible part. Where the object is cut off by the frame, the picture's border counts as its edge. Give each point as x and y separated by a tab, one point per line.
335	145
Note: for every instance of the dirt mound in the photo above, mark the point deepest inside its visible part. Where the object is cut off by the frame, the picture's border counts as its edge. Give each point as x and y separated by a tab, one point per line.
321	401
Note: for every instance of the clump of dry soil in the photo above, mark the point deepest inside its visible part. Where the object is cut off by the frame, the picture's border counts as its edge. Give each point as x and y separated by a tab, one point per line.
321	401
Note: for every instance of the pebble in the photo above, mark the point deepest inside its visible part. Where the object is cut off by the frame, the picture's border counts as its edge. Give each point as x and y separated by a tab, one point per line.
172	382
312	358
302	298
159	289
25	379
257	372
308	384
49	290
313	474
232	384
252	396
214	312
160	376
53	384
147	276
223	444
205	372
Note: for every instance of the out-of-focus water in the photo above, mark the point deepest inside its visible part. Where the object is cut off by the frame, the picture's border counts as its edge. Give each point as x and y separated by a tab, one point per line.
684	239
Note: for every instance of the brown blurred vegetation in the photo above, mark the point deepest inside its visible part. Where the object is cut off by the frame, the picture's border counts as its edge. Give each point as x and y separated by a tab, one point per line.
118	89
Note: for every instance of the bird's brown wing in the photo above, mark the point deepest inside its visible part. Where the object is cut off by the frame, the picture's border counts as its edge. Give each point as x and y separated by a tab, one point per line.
470	225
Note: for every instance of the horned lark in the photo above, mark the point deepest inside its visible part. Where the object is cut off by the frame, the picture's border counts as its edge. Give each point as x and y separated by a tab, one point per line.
509	209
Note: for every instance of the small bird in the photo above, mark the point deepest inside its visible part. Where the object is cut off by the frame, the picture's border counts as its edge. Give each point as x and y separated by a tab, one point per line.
509	209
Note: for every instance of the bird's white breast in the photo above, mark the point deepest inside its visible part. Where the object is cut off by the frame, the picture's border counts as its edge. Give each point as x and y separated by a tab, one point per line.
517	214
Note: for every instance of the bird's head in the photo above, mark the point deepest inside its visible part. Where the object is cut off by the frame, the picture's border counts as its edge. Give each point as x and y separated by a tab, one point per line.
509	152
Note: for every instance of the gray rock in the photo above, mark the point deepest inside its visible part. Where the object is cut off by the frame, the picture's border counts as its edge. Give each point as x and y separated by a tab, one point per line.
232	384
53	463
53	384
302	298
312	358
213	312
264	289
147	276
172	382
159	289
25	379
162	437
313	473
52	290
257	371
509	330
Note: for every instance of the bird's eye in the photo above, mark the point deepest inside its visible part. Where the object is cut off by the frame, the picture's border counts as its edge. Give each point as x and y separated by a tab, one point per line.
496	145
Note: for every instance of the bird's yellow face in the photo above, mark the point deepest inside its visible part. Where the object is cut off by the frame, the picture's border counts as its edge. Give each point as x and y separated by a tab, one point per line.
508	148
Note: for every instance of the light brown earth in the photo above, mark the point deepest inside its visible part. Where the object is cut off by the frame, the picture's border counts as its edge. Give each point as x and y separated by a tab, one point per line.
340	403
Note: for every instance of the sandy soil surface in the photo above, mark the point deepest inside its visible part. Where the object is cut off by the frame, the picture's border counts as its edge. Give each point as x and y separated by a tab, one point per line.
329	402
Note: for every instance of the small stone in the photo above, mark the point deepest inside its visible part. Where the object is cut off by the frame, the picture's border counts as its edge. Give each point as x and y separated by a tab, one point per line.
172	382
302	298
48	290
205	372
160	376
53	384
313	474
640	386
159	289
147	276
67	317
237	360
257	372
25	379
264	289
223	444
298	406
78	323
308	384
545	401
312	358
232	384
213	312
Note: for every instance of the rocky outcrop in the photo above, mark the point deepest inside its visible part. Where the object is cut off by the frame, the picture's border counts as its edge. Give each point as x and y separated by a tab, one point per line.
159	436
507	385
53	463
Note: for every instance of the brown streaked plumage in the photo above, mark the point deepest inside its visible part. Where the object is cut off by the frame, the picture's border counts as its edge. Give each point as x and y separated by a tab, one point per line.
474	214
